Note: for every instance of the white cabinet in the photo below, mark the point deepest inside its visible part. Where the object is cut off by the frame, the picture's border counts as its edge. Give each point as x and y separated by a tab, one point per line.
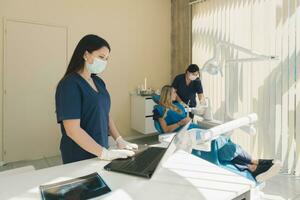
141	114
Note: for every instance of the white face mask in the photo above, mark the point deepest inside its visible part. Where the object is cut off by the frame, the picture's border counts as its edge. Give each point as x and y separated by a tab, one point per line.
97	66
193	77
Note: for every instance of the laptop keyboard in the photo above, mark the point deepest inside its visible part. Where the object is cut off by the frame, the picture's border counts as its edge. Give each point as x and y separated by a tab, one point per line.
143	160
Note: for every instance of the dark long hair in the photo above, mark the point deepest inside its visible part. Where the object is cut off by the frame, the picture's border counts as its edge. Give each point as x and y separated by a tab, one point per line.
88	43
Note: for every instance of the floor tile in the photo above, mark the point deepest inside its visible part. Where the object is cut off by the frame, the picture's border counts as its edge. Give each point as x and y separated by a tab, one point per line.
54	161
282	187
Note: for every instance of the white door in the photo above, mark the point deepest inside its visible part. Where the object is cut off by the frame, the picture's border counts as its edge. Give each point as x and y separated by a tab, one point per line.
35	59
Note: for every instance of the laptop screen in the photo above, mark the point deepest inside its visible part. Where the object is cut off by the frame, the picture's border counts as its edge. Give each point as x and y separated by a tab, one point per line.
171	148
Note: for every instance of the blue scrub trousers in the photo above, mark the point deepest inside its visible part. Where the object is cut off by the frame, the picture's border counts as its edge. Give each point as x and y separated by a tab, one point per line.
231	152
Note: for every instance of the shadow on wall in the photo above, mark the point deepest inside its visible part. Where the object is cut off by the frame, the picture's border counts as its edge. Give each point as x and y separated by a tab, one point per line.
296	166
208	37
272	89
205	36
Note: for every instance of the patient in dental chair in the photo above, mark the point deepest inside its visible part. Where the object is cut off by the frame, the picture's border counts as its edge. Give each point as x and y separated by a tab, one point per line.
172	116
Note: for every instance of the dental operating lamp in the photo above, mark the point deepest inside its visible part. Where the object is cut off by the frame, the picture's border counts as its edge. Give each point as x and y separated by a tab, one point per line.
215	65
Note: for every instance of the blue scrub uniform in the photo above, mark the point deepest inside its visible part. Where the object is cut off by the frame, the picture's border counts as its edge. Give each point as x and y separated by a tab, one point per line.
171	116
76	99
187	93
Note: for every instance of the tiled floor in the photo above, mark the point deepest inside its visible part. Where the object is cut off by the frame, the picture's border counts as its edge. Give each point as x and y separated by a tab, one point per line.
280	187
38	164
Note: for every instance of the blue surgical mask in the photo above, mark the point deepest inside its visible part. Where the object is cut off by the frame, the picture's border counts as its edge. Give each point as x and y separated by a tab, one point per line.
97	66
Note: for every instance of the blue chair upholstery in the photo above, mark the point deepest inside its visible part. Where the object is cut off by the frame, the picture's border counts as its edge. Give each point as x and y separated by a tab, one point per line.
211	156
157	126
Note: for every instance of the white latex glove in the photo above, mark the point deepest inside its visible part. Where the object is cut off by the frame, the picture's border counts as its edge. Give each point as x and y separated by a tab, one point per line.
203	103
122	144
201	107
115	154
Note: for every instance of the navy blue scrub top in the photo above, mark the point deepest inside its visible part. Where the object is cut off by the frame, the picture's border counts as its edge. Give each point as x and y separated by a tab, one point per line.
76	99
187	93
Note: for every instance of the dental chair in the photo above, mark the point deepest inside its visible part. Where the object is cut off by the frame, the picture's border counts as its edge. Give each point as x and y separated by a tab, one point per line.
211	156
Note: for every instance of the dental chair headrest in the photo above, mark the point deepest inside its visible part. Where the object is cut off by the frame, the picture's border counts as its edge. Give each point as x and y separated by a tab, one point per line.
156	98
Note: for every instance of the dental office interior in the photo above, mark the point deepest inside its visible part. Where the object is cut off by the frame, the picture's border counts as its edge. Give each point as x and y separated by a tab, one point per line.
248	58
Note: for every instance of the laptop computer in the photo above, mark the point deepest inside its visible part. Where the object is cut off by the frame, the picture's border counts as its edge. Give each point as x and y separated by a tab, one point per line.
144	163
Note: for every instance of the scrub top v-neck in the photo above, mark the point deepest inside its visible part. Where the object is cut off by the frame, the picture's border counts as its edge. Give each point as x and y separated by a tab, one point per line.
76	99
187	93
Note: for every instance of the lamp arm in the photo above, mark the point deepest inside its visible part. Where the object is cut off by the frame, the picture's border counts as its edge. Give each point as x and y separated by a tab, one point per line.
259	57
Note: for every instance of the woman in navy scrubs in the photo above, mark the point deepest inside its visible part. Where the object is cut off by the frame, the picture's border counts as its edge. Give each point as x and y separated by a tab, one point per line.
83	106
187	86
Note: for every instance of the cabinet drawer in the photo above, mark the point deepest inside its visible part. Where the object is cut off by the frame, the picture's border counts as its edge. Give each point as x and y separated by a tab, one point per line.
149	104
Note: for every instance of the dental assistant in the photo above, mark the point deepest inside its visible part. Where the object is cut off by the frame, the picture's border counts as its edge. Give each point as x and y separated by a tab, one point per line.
83	106
187	86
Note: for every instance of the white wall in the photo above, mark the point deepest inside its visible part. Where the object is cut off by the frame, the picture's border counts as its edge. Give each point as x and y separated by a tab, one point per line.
137	30
271	89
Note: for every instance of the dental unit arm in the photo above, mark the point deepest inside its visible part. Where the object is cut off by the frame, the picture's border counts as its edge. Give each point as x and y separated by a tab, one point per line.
200	139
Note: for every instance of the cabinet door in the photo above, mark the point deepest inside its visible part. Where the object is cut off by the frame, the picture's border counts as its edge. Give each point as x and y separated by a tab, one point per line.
149	104
149	125
35	60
